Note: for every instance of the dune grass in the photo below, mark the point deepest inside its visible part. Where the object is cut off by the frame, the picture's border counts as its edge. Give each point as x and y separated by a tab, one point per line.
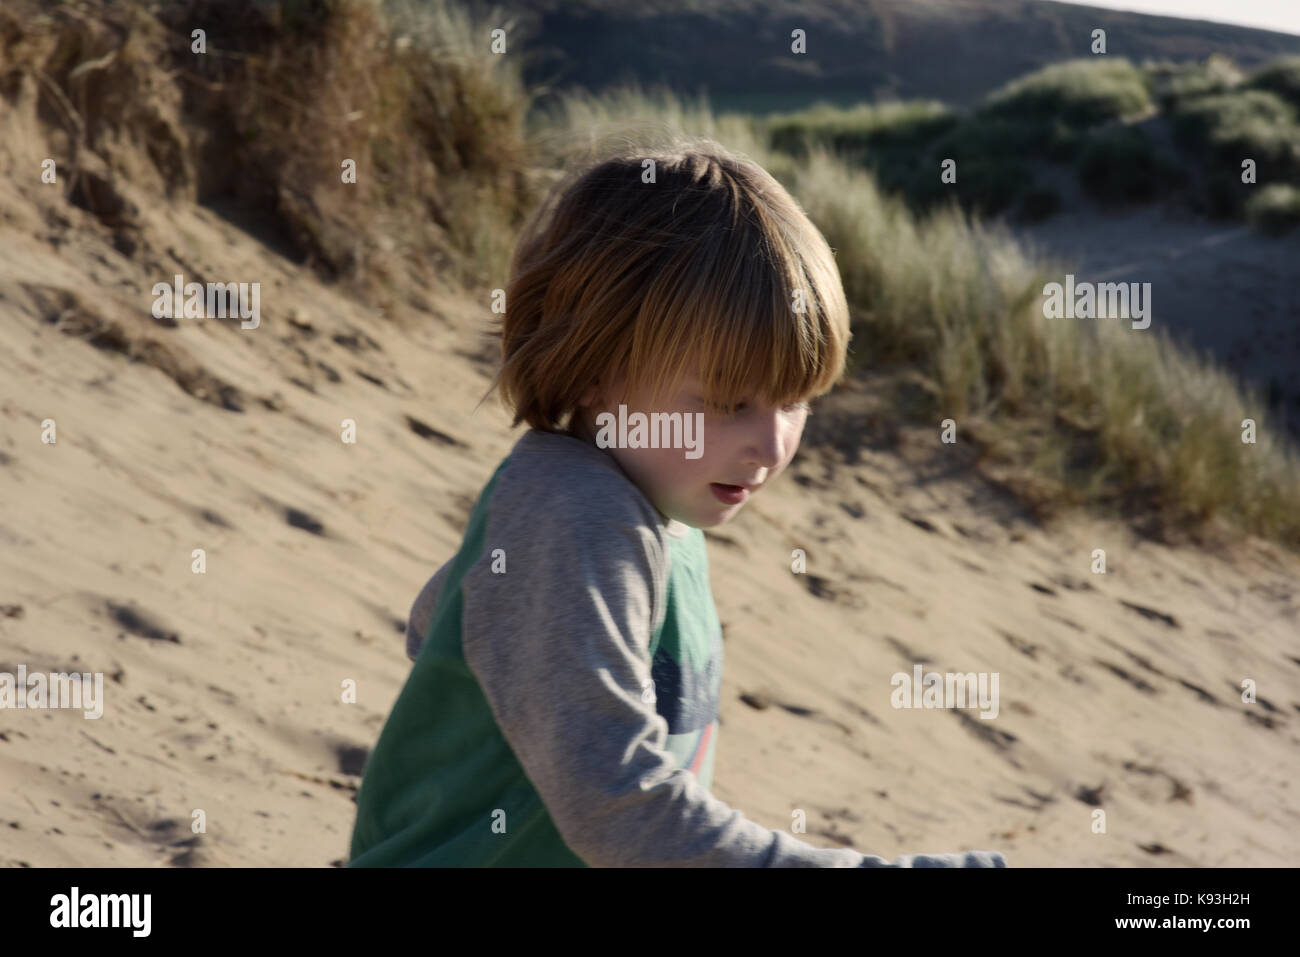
1065	412
1083	412
466	106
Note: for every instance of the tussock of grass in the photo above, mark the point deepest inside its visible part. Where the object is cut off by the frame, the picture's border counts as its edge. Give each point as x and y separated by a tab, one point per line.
580	125
466	106
260	124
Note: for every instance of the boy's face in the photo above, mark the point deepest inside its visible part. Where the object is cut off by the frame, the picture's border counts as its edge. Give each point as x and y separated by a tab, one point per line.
750	446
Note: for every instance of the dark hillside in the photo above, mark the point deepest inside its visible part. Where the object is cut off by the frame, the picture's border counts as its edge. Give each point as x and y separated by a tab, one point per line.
952	50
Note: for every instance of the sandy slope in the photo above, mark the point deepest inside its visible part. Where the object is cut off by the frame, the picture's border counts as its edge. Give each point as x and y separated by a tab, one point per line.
223	689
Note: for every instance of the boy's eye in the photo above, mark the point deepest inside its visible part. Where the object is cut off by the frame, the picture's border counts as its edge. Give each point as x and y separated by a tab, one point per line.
790	409
726	409
712	406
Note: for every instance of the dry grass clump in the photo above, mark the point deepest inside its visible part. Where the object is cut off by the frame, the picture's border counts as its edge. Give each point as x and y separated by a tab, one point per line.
259	121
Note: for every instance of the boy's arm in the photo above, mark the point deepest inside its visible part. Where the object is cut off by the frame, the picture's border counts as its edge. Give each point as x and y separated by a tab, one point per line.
417	621
560	646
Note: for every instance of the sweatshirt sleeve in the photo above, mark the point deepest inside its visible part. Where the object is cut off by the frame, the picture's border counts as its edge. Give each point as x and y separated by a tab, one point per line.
559	642
417	621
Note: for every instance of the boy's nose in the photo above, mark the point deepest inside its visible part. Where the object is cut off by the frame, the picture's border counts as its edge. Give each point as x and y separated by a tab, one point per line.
766	447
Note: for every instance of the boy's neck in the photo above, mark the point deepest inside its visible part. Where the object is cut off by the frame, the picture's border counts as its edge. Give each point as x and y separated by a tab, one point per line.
580	429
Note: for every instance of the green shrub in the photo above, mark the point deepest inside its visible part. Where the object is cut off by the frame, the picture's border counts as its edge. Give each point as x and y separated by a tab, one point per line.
989	135
1081	93
1169	83
1229	121
1121	164
1198	119
1274	209
1280	76
1044	114
1231	127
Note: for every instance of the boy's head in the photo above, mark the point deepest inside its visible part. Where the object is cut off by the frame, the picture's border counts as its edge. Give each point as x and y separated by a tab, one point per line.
684	280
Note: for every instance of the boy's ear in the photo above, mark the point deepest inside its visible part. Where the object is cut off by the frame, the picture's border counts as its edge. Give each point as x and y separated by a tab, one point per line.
589	397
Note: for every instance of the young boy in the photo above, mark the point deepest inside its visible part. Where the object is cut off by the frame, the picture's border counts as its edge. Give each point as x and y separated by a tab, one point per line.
563	705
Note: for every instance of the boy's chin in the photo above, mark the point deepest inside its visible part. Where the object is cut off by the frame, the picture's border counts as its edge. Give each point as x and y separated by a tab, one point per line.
694	521
706	518
712	522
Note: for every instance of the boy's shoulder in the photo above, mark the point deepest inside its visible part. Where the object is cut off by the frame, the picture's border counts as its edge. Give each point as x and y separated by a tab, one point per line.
566	478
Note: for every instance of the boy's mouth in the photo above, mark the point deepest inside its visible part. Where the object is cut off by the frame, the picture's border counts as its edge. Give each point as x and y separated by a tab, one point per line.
729	494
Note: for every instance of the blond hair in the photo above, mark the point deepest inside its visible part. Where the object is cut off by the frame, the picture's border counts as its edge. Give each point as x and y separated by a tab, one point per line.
712	264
